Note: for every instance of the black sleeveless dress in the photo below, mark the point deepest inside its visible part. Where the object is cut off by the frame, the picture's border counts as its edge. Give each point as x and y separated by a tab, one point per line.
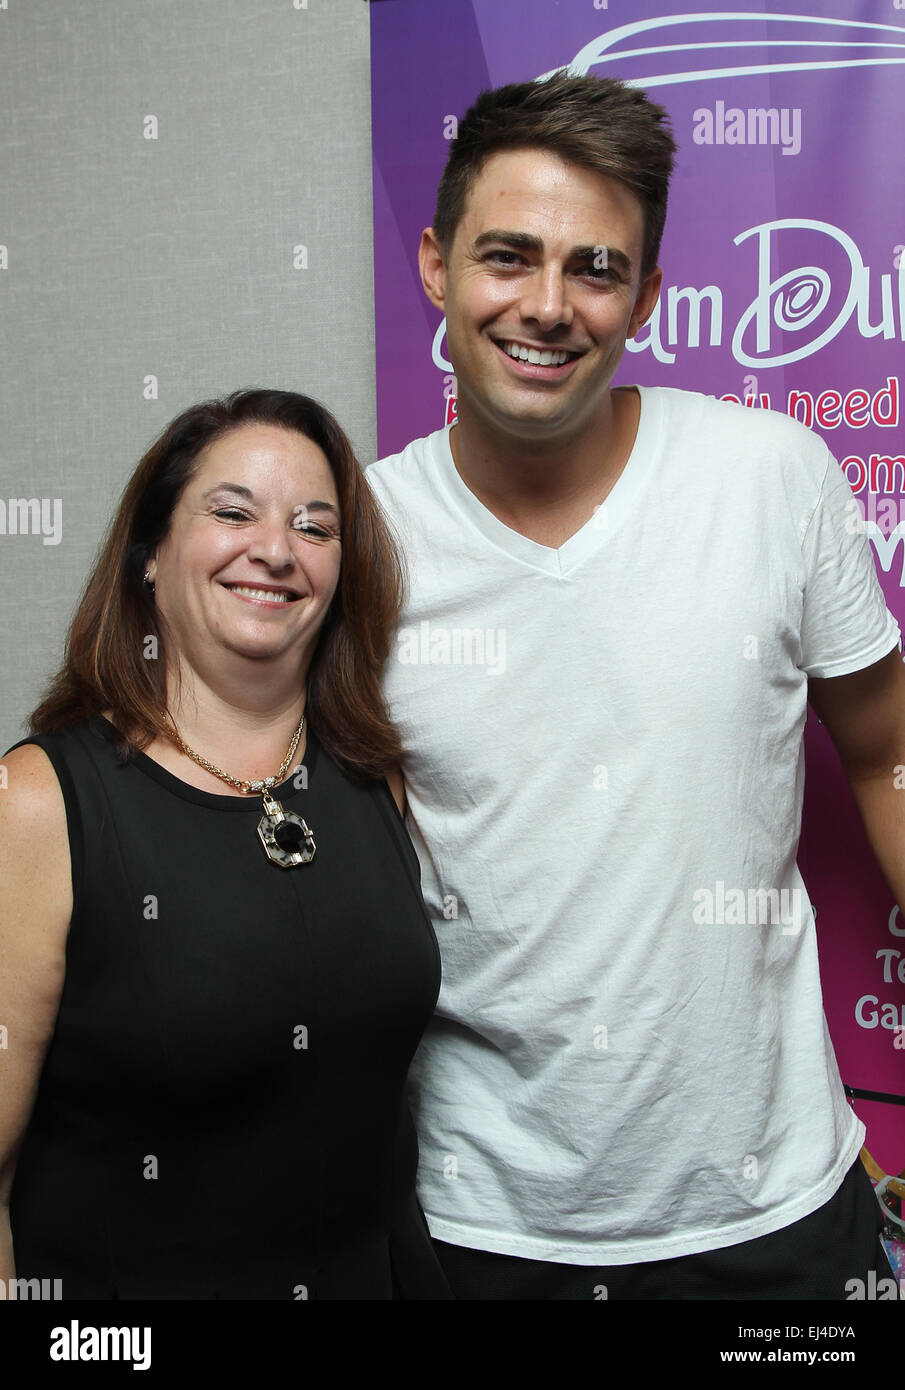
222	1110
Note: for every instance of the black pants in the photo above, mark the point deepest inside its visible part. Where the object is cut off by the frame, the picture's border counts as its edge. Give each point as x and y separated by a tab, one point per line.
813	1258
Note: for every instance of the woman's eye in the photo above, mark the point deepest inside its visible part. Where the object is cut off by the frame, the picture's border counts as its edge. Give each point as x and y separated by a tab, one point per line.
312	532
230	514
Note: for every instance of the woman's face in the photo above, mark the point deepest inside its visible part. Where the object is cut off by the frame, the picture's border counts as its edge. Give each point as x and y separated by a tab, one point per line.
252	557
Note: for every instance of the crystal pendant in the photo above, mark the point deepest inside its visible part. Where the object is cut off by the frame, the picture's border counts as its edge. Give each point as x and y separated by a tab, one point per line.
286	838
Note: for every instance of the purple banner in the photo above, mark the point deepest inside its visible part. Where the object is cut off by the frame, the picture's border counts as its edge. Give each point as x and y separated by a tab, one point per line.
784	287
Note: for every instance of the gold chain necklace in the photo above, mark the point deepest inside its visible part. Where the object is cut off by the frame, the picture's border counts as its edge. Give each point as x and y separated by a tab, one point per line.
286	838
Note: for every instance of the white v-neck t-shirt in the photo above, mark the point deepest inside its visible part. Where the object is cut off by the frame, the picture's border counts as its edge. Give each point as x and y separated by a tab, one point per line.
604	769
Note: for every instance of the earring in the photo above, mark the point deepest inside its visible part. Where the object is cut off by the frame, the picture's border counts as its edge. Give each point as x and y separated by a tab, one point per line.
148	580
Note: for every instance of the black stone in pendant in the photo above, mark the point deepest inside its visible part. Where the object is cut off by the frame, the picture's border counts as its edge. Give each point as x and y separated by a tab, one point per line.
286	838
288	835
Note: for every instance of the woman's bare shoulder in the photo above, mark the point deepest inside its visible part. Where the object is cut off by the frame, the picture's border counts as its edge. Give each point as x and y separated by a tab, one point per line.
34	838
30	787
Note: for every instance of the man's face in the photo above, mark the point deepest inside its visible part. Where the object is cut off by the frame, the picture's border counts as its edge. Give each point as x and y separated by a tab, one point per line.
546	258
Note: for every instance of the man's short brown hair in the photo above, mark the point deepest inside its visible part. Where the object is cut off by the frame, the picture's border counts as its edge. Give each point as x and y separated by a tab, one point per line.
595	122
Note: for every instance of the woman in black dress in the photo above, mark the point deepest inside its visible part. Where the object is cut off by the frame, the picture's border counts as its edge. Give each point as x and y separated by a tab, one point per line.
215	964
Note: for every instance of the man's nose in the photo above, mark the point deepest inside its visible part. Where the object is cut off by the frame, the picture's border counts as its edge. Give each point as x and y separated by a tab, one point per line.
546	299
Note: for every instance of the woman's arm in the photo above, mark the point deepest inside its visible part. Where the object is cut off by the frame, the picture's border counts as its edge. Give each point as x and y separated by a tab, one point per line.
35	908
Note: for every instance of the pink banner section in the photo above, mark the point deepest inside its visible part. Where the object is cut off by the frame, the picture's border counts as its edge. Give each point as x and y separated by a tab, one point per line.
784	289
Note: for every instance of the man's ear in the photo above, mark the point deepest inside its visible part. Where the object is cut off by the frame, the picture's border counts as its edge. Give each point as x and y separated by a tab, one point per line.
646	302
432	266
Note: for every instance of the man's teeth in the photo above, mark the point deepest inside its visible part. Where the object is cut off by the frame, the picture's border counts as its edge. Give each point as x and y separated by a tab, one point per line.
268	595
541	359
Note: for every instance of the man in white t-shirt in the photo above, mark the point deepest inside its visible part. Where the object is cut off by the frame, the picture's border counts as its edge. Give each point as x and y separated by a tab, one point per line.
620	602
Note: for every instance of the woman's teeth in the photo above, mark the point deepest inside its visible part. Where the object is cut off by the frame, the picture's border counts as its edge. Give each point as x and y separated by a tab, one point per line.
266	595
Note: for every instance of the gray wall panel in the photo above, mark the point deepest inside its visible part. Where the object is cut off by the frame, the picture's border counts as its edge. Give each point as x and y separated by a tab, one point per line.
130	257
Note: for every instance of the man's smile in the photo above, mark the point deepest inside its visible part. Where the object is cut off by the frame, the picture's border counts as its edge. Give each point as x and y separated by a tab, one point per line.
536	362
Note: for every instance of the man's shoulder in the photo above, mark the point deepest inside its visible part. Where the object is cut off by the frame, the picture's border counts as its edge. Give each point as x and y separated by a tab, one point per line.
411	465
750	424
739	442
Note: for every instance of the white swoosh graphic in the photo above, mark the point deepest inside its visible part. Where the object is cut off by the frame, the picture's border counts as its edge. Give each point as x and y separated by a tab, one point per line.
595	53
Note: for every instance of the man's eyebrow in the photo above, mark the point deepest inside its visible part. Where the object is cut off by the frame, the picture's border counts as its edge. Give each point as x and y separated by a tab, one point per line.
527	241
519	241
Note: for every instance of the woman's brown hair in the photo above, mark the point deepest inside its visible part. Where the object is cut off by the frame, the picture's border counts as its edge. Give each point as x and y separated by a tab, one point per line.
105	665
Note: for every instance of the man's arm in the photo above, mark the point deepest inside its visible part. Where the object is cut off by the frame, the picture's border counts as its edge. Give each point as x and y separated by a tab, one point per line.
864	714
